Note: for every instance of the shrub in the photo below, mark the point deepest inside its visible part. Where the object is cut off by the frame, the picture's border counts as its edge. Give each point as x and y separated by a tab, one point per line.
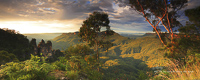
7	57
94	75
61	64
31	69
73	75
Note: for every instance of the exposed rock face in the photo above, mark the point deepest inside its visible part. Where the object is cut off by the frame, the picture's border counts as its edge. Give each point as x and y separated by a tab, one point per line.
33	43
49	46
44	48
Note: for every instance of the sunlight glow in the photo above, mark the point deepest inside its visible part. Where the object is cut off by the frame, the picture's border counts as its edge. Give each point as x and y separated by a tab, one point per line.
36	26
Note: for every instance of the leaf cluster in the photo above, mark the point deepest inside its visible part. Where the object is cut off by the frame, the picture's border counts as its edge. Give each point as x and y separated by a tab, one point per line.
31	69
91	28
78	50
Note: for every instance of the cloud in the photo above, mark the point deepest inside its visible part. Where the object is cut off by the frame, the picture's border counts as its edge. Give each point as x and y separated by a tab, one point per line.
52	9
75	11
126	16
26	9
80	8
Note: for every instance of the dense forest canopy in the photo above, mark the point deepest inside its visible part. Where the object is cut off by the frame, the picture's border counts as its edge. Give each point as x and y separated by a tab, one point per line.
15	43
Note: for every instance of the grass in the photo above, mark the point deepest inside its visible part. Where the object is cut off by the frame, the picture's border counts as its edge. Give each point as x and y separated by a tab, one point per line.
180	72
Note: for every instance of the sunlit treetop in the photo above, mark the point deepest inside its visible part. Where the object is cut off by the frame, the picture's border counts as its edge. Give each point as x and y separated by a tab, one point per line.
91	30
92	27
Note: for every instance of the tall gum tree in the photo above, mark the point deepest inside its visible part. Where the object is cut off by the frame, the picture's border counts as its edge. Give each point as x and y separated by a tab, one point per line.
160	12
91	31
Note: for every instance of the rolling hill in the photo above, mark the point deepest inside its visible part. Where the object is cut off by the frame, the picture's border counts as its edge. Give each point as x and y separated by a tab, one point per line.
139	35
63	41
144	48
130	55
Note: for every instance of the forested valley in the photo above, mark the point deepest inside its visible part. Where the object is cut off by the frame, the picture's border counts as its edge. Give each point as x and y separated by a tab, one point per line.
96	52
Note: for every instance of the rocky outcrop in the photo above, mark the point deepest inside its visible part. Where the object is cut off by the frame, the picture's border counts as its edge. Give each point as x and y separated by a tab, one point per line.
44	48
49	46
34	46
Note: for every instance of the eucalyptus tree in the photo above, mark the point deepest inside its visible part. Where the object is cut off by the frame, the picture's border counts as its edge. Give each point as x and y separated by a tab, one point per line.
160	12
92	31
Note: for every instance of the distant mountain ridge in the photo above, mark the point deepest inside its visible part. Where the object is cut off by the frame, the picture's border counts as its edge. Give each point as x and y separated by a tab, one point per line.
136	36
144	48
128	55
40	36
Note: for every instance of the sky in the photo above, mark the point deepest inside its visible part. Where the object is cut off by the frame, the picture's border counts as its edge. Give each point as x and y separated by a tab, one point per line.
62	16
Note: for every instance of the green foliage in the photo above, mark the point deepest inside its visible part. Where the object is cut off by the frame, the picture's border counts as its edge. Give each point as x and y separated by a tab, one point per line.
94	75
81	60
61	64
190	28
72	74
124	68
193	15
186	49
31	69
85	67
91	30
92	26
7	57
79	49
15	43
142	75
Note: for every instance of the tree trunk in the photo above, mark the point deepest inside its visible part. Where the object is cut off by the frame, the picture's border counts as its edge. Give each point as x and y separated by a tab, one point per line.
158	33
97	52
172	34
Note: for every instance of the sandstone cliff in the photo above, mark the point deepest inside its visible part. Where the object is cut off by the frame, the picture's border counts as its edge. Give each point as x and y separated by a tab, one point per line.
44	48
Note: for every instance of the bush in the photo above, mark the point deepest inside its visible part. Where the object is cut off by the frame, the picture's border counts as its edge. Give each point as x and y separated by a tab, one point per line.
94	75
73	75
7	57
61	64
31	69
